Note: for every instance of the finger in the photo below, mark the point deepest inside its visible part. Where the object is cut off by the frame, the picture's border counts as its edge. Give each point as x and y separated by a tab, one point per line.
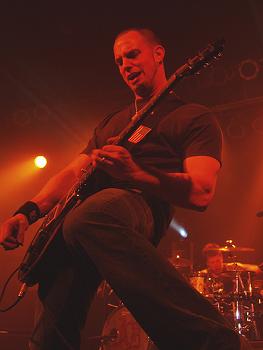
20	236
11	232
21	232
94	157
116	155
103	162
114	148
113	140
110	148
110	152
95	152
10	239
9	235
101	155
9	245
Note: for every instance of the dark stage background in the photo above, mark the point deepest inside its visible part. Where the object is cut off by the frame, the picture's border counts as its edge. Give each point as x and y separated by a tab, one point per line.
58	79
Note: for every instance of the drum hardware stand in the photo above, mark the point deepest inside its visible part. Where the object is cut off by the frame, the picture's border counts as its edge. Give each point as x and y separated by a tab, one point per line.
244	320
192	257
243	315
252	315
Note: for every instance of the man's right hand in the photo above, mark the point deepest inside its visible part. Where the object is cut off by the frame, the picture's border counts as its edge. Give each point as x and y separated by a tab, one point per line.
12	231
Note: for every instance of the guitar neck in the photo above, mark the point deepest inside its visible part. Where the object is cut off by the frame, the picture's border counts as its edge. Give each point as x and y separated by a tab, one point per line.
193	66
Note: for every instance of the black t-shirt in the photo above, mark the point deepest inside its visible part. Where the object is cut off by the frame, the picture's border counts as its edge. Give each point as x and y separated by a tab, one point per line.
186	130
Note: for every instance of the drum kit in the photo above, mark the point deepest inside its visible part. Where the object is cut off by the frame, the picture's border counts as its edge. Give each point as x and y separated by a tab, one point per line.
237	293
120	330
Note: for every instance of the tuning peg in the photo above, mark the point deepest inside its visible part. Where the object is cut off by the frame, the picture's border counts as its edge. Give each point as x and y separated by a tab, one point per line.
206	64
190	63
218	56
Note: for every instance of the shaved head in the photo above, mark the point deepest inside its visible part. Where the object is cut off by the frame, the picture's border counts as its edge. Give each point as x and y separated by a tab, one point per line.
148	34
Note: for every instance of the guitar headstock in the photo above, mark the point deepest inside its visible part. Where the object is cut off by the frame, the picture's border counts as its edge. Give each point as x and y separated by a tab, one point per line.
203	59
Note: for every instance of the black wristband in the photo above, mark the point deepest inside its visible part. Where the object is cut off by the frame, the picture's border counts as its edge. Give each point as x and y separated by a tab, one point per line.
30	210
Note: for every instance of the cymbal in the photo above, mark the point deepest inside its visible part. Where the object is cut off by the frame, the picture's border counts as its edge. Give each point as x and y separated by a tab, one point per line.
180	262
238	266
224	274
234	249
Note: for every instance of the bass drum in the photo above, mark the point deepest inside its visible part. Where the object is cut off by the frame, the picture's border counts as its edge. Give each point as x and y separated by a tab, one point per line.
122	332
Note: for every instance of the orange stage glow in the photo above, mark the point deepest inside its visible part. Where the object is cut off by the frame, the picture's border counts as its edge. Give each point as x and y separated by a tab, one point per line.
19	181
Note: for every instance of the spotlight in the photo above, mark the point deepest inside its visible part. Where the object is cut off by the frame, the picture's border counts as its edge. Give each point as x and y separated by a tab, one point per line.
179	228
40	162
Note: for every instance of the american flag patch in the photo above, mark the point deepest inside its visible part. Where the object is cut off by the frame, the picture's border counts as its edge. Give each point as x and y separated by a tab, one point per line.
139	134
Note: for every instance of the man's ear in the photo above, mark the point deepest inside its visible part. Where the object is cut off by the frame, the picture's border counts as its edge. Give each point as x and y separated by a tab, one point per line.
159	53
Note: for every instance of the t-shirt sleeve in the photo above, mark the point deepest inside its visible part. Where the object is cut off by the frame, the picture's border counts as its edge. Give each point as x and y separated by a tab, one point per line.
203	137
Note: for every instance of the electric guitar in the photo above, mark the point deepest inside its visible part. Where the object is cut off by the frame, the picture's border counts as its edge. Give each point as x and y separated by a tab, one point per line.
36	254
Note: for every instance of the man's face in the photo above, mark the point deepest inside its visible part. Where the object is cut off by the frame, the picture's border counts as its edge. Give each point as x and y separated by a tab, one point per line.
137	62
215	264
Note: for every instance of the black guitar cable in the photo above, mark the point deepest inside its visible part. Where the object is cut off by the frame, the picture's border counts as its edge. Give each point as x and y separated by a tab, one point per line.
20	295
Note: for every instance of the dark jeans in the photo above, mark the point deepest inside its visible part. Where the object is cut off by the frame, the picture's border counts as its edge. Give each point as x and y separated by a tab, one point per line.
108	236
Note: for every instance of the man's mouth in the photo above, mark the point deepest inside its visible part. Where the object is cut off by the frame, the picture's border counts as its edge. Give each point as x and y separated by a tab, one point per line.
133	76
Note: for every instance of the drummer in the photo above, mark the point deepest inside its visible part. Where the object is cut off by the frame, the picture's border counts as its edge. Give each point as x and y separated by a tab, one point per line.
218	274
214	260
218	280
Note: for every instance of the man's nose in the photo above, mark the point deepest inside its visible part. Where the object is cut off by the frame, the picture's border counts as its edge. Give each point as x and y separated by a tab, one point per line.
126	66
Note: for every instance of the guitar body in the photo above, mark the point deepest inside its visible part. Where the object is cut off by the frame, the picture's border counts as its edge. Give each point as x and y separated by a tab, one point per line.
37	255
34	262
42	247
